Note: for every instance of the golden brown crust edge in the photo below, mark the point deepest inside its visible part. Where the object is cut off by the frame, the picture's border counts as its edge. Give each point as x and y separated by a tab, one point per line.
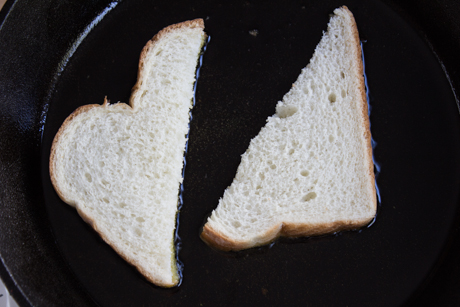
365	111
196	23
221	242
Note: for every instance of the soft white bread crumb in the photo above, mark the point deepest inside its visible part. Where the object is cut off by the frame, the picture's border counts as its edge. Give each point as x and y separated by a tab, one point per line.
120	165
309	171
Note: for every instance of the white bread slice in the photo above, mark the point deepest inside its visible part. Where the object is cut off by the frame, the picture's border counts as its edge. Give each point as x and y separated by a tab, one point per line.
120	166
309	171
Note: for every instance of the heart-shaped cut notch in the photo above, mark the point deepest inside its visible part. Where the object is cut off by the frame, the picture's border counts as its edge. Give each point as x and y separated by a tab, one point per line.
120	166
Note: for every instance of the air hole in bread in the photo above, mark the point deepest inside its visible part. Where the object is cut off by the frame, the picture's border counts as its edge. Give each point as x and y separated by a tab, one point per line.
332	98
285	111
122	205
138	232
88	177
305	90
331	138
236	224
262	176
309	196
273	166
344	94
304	173
105	200
291	151
342	74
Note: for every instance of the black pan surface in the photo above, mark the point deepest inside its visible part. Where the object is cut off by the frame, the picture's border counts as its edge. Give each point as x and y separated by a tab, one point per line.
58	55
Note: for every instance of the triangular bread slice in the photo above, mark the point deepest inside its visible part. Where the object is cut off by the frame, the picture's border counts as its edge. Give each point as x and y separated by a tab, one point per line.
120	166
309	171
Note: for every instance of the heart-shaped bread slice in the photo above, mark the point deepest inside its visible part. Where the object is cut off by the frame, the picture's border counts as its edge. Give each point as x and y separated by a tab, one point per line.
121	165
309	171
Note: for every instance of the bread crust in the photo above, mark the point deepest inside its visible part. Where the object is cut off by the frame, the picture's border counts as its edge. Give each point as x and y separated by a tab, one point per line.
60	135
365	110
218	240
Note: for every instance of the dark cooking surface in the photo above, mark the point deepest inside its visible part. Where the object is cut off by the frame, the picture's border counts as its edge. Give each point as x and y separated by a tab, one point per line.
56	259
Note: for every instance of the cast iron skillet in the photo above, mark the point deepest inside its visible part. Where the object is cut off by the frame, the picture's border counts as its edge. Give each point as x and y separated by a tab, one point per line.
56	55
